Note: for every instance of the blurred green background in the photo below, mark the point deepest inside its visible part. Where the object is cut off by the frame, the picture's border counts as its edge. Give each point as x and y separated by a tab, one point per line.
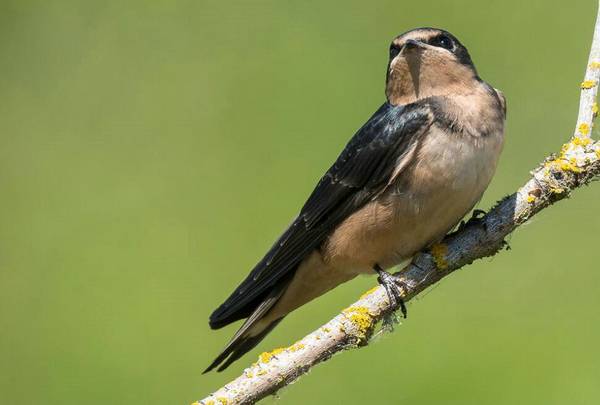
150	152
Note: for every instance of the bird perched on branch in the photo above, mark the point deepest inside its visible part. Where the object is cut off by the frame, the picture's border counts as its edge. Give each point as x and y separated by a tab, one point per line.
406	178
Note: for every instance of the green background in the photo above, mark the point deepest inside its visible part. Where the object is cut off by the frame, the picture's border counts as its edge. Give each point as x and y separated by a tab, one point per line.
150	152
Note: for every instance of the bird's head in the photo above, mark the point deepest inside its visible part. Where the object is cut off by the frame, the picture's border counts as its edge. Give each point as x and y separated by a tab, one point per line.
427	62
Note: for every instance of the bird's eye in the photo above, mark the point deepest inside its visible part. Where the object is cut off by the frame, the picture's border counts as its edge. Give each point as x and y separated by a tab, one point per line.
394	50
443	41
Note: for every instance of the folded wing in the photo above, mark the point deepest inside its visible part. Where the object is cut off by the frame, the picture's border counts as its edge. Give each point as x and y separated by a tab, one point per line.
362	170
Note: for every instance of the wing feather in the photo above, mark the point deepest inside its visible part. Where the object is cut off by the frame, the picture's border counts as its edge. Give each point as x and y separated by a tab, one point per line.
361	172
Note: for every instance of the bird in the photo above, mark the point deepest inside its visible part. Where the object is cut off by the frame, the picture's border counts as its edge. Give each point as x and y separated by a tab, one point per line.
408	176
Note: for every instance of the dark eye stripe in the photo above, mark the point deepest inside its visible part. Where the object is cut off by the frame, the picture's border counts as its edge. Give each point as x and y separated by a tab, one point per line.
394	50
442	41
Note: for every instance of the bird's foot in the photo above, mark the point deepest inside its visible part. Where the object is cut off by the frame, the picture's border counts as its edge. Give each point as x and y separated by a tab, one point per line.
478	214
390	283
477	218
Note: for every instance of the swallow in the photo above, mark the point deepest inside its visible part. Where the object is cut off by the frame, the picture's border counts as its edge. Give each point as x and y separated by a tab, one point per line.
405	179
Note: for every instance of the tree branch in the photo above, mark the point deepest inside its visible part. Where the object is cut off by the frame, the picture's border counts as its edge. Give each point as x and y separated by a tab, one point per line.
577	164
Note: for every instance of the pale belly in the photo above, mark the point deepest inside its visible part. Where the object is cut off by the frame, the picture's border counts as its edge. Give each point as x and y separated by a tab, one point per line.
426	201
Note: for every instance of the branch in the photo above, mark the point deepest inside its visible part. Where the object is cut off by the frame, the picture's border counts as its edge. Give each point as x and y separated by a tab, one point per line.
577	164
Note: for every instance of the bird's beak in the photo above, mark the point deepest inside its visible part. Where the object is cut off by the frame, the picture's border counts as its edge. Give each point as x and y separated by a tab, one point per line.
413	45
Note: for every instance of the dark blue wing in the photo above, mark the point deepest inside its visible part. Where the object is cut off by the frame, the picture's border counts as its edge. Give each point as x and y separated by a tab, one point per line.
361	171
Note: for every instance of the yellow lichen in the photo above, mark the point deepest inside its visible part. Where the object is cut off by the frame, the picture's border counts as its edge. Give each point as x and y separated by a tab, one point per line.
595	65
581	141
546	170
295	347
531	199
548	165
266	357
369	292
574	165
361	318
439	251
584	128
569	166
326	330
588	84
261	372
249	374
562	162
222	400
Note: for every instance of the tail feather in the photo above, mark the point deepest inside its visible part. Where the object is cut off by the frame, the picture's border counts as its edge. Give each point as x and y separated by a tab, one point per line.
242	346
250	333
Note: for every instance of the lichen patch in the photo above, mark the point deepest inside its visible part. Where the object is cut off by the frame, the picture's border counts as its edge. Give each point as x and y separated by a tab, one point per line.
439	252
584	128
588	84
266	357
361	318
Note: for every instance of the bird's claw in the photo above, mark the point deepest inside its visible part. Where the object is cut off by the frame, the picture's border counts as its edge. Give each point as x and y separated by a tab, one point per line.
478	214
461	226
477	218
390	283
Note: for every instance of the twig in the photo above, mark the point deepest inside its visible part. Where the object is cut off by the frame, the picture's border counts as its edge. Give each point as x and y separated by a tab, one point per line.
577	163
